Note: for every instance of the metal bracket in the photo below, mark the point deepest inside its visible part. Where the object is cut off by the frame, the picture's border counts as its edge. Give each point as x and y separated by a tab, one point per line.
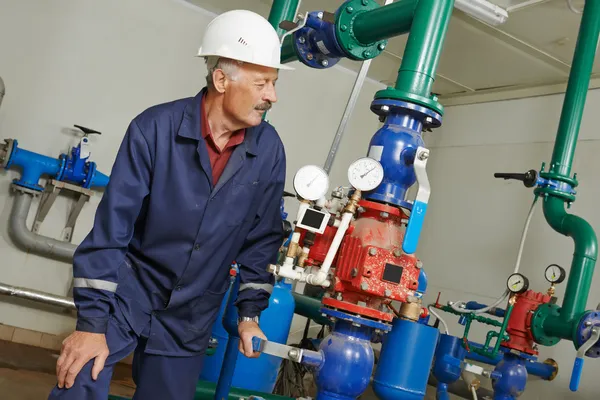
51	192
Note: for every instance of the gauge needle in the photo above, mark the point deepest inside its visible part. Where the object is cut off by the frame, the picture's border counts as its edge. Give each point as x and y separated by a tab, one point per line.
366	173
516	283
313	180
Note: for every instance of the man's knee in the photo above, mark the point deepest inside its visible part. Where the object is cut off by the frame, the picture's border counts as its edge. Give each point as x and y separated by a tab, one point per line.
84	387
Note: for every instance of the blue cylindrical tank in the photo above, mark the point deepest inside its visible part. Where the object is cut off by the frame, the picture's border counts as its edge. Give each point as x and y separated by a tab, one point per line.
405	361
259	374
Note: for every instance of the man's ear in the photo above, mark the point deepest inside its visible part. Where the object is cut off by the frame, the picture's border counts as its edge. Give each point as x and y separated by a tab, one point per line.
219	80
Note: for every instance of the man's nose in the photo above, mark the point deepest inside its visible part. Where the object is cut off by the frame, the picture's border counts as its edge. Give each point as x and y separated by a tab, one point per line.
270	94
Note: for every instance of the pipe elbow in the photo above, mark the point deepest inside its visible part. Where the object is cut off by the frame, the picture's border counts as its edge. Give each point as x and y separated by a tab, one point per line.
582	233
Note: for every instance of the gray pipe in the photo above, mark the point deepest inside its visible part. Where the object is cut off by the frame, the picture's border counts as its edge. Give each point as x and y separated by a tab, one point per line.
37	296
33	242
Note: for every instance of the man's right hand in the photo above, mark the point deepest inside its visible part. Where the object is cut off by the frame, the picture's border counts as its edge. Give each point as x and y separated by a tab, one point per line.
77	350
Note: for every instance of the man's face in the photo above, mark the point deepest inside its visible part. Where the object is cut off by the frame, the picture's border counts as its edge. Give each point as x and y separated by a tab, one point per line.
251	94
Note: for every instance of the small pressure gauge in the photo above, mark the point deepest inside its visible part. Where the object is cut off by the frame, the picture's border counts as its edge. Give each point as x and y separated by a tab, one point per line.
365	174
311	182
517	283
555	273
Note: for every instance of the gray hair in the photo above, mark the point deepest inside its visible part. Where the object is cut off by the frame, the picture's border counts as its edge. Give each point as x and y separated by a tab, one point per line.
229	67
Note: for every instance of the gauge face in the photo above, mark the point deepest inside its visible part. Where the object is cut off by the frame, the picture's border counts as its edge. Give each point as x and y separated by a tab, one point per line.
311	182
517	283
555	273
365	174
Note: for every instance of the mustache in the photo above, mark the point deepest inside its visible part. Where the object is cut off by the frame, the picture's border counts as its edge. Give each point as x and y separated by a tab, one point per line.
264	107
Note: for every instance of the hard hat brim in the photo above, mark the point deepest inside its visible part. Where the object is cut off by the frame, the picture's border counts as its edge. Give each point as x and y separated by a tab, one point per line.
276	66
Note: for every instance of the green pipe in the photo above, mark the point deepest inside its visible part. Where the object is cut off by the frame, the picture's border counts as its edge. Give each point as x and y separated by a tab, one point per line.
384	22
282	10
206	391
422	54
424	47
310	308
583	235
288	53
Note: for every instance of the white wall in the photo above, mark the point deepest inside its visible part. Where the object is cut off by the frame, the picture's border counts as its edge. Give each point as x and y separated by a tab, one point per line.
474	221
98	64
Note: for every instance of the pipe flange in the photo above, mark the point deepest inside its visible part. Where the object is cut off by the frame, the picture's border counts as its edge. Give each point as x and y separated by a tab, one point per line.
584	331
552	363
537	324
5	152
18	188
429	118
345	16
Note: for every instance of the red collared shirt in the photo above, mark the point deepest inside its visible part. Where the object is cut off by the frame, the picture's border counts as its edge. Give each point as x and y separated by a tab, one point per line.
219	157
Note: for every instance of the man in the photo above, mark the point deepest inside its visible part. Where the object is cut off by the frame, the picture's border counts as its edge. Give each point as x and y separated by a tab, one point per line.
196	184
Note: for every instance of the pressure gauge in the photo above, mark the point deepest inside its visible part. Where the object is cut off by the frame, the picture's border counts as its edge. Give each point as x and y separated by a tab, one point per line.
311	182
365	174
555	273
517	283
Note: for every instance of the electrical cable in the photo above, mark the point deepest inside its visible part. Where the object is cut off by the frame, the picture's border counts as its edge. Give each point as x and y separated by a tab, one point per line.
435	314
573	8
459	306
474	392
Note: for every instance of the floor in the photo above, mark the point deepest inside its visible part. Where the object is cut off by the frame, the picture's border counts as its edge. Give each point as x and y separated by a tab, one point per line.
28	373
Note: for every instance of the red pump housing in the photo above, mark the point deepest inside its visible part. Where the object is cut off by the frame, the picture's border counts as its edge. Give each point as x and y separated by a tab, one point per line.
519	324
371	269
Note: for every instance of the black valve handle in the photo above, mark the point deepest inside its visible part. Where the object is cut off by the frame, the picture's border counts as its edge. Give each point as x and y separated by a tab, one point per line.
528	178
87	131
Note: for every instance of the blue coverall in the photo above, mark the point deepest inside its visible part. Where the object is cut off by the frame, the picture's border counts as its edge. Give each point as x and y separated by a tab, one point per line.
152	272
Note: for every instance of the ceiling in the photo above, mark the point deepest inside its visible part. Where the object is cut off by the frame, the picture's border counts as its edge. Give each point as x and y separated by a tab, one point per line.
529	55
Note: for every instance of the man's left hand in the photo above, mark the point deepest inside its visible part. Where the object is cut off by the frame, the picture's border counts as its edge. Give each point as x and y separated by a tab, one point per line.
247	330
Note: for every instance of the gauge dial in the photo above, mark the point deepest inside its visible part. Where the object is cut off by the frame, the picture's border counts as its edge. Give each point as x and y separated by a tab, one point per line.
311	182
365	174
555	273
517	283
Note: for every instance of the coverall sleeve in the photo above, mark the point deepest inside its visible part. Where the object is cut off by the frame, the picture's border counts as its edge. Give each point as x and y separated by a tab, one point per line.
261	245
97	259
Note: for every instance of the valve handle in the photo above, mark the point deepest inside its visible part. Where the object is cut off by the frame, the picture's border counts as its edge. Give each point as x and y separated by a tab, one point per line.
257	344
576	374
529	178
87	131
419	209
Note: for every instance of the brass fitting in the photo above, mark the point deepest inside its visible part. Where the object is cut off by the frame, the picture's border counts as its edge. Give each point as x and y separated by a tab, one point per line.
352	205
410	311
552	363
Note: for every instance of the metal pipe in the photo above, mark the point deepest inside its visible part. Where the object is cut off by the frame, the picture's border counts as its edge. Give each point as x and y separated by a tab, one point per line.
282	10
583	235
459	388
33	242
310	308
384	22
288	52
37	296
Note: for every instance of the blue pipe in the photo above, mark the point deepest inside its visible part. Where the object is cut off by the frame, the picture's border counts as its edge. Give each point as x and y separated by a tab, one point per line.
545	371
71	169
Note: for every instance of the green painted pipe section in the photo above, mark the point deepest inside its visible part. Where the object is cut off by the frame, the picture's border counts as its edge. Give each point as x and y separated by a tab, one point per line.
384	22
424	46
282	10
288	53
206	391
310	308
422	55
584	237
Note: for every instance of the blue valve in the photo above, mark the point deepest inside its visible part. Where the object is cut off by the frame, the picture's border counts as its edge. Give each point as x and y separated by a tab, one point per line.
576	374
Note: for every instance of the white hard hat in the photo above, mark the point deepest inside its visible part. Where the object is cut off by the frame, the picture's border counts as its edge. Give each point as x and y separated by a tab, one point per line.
244	36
